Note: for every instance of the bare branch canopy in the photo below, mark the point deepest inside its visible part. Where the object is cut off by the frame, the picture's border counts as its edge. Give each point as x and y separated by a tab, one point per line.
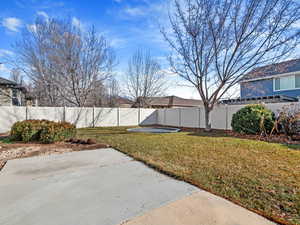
216	42
66	64
144	77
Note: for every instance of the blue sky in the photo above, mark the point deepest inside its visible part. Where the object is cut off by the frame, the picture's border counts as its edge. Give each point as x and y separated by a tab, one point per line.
127	24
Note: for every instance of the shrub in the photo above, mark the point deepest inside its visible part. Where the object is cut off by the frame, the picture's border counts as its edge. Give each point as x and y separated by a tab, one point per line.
57	132
253	119
27	130
30	132
42	130
287	120
17	130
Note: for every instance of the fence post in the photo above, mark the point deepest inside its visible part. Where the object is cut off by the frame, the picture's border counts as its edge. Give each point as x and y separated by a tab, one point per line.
93	116
139	116
26	112
199	115
64	114
179	114
118	116
165	111
226	116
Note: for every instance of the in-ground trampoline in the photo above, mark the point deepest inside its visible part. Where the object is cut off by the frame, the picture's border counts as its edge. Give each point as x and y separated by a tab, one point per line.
154	130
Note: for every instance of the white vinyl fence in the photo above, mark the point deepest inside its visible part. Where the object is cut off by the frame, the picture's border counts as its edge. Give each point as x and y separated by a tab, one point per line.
220	117
81	117
106	117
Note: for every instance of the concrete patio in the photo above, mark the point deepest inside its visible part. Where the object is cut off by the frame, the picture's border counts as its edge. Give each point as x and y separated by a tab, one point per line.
105	187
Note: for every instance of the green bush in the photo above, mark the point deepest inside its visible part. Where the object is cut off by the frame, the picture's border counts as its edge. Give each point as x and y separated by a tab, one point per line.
27	130
57	132
42	130
17	130
253	119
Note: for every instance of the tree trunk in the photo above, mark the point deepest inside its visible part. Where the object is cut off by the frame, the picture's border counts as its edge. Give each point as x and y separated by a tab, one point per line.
207	119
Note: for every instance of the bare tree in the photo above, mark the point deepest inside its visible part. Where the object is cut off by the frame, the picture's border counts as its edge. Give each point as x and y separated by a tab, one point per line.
144	77
66	65
113	92
16	76
216	42
97	97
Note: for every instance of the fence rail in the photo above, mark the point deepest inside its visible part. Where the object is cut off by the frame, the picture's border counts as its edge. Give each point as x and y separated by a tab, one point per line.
104	117
81	117
220	117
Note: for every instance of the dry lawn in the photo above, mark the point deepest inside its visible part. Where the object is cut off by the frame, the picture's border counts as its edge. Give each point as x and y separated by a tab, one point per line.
263	177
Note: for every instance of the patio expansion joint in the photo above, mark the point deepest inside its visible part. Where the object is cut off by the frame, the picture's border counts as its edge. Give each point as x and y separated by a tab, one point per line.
187	195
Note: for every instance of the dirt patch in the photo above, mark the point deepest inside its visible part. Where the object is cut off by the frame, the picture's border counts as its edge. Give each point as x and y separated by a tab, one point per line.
21	150
278	138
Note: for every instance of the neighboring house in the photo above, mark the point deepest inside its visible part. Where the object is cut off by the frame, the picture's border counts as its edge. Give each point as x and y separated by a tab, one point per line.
123	102
31	100
167	102
281	79
11	94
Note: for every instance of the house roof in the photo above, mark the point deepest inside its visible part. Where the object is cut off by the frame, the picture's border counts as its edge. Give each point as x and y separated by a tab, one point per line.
4	81
184	102
172	101
273	70
12	84
122	100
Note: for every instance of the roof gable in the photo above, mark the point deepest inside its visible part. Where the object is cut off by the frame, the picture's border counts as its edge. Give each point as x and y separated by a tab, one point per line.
4	81
122	100
273	70
172	101
185	102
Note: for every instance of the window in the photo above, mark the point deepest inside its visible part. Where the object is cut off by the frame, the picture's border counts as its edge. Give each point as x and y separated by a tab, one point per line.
15	99
14	93
287	82
297	81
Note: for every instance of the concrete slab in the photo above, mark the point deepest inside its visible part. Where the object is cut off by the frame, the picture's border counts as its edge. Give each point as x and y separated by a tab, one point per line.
101	187
20	170
200	208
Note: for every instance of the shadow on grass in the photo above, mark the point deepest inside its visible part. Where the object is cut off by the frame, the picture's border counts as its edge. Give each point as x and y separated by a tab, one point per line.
104	134
209	134
6	140
222	134
292	146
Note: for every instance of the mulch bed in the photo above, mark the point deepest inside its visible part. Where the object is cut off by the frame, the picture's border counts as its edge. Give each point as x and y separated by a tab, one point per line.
276	138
